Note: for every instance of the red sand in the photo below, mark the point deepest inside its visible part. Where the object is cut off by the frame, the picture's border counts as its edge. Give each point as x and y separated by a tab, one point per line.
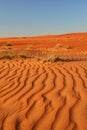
77	41
37	95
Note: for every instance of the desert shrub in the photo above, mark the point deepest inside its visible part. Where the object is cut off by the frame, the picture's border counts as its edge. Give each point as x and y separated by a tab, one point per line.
62	46
6	55
48	58
52	58
66	47
9	48
8	44
38	58
58	45
29	47
9	54
23	54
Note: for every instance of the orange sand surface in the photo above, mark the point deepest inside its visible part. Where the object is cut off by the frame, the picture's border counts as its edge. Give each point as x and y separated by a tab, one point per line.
38	95
77	41
43	96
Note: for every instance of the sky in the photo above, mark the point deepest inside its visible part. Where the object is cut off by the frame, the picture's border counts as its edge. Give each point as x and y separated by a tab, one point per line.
42	17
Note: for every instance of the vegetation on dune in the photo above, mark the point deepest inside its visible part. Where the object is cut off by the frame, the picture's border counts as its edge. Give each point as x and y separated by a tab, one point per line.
67	47
59	45
13	54
7	55
51	58
8	44
45	56
23	54
30	46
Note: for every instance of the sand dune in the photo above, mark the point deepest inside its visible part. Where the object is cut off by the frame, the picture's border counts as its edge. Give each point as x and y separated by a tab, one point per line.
43	96
77	42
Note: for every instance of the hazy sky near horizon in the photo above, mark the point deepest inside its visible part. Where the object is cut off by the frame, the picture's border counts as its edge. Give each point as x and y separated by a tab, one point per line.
42	17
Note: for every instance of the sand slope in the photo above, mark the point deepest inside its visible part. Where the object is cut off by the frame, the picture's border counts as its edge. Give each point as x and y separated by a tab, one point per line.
77	42
43	96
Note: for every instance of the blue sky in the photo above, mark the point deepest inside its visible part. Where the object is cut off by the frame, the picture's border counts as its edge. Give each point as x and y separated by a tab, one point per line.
42	17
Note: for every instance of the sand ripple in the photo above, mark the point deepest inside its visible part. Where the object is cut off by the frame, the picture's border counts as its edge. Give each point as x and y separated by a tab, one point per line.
43	96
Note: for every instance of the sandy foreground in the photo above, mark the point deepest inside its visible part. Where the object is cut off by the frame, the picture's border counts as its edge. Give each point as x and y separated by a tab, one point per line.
43	96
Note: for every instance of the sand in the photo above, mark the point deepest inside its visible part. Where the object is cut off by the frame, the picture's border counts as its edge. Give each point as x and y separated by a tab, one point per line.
37	95
77	42
43	96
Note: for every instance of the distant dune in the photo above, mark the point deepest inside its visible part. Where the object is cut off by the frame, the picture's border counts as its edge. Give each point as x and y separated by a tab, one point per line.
77	41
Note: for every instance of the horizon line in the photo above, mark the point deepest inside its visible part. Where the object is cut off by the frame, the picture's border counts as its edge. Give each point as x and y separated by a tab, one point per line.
42	35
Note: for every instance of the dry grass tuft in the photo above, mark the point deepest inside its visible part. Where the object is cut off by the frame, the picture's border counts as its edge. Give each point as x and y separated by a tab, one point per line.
8	44
62	46
10	55
48	58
